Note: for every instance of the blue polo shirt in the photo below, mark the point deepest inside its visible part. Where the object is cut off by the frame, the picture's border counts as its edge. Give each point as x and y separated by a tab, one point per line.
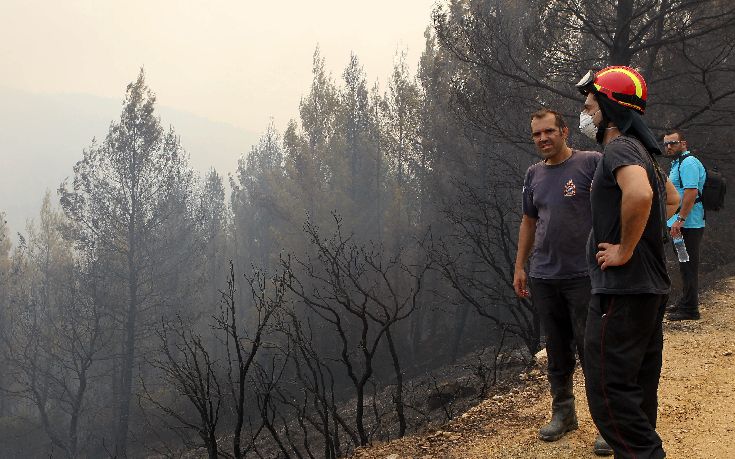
687	172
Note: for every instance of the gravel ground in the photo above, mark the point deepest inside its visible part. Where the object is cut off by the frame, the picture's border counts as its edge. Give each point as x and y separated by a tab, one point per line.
696	403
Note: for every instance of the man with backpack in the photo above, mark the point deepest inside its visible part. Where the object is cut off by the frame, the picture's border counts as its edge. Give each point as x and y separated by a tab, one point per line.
688	176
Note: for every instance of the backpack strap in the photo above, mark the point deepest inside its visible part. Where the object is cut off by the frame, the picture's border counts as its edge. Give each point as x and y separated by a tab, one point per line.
681	161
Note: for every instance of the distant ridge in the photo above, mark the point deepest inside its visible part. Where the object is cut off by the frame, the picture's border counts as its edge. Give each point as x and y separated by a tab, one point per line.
42	136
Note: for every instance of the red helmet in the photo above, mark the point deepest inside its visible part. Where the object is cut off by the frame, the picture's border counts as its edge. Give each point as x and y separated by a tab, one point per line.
618	83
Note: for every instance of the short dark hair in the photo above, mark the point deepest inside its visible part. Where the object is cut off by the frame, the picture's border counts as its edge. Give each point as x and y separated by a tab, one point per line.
678	132
540	113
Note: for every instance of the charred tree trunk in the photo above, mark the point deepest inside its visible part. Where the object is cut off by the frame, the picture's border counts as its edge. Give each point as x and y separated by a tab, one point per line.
398	396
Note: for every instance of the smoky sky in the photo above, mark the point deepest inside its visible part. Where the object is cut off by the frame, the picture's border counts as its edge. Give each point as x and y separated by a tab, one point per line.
238	62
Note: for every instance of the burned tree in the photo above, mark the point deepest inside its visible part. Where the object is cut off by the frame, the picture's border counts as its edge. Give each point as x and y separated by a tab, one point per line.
215	389
355	295
477	260
187	369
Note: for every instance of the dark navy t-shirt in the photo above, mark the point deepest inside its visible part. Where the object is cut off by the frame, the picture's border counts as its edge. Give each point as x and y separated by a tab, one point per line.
558	196
645	272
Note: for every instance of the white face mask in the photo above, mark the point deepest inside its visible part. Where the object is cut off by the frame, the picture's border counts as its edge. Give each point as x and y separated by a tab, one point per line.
587	125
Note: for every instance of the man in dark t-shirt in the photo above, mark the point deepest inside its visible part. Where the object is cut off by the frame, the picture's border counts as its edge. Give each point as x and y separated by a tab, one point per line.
645	271
630	200
554	228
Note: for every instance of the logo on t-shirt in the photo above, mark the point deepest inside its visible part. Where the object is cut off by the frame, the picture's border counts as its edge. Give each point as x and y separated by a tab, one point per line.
570	189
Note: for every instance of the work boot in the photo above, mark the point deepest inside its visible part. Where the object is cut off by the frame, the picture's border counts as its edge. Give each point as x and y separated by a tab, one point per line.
601	447
672	308
563	414
683	314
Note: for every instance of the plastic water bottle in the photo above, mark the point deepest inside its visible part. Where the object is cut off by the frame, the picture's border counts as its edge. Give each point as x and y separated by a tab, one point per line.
681	249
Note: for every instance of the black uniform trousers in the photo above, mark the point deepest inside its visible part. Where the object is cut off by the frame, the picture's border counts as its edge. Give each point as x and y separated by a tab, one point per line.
623	347
690	269
562	307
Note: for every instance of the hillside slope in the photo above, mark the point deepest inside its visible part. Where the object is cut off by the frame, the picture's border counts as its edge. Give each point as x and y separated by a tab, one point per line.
696	403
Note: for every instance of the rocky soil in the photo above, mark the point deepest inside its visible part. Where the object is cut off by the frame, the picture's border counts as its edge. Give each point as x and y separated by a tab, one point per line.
696	403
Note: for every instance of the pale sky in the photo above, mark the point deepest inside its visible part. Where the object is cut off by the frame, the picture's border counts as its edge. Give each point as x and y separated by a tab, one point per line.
238	62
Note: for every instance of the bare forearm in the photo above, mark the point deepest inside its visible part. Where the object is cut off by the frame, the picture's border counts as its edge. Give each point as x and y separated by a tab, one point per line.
687	202
526	237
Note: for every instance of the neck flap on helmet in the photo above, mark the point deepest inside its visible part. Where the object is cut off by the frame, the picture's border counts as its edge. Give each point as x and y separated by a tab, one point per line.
628	121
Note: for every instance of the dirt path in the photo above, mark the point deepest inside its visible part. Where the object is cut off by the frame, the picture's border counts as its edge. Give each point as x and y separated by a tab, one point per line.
696	403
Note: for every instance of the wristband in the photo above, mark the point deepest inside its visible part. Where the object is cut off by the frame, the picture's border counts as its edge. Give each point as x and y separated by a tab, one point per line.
681	219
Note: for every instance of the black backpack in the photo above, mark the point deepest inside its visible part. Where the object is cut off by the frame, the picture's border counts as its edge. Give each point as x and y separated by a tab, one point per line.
713	192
